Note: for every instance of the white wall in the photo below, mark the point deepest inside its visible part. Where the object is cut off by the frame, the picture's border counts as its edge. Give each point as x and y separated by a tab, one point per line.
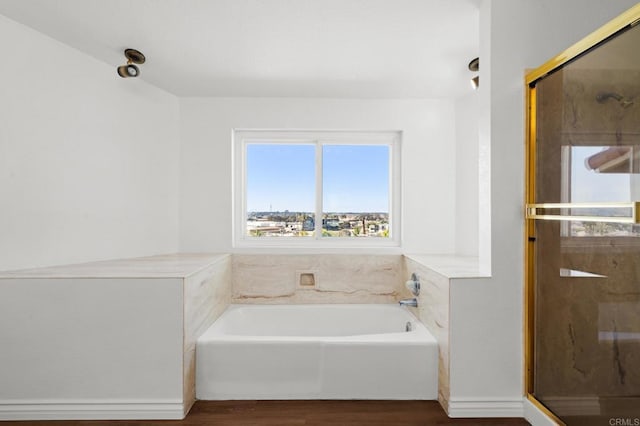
91	348
515	35
88	161
466	164
428	150
555	25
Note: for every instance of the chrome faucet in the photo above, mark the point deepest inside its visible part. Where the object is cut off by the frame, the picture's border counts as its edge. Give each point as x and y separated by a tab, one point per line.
409	302
413	285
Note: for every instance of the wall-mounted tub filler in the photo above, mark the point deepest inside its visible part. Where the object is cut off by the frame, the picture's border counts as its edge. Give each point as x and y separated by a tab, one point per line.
409	302
413	285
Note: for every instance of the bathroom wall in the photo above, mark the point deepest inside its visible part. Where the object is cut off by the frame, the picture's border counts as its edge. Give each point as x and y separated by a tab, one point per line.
91	348
88	161
328	278
466	164
491	309
428	150
81	189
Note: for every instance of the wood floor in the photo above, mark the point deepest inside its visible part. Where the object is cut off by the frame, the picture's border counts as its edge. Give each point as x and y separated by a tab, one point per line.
302	413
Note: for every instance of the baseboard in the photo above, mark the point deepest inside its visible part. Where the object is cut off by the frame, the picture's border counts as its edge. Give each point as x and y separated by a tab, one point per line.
90	410
486	407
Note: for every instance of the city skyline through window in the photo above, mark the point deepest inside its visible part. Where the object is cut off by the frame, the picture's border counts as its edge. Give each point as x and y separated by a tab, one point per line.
599	174
284	182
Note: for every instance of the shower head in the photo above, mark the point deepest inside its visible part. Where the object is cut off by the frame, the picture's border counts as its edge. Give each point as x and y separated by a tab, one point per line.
604	96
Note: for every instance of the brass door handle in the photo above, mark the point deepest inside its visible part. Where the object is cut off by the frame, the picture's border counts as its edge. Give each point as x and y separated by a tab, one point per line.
532	211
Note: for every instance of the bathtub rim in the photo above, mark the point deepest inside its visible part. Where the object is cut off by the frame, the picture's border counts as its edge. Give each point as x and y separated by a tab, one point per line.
420	335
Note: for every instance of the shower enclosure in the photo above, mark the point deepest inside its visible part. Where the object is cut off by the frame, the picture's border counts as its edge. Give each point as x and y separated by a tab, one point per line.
583	236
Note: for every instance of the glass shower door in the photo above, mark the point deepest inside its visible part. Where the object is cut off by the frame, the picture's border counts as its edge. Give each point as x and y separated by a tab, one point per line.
584	236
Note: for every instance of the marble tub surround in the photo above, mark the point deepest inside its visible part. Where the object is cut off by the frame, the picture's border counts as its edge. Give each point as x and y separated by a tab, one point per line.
433	311
277	279
207	293
450	284
147	305
107	340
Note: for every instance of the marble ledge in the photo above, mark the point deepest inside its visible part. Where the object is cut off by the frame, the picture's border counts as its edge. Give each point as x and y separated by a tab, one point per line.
451	265
179	265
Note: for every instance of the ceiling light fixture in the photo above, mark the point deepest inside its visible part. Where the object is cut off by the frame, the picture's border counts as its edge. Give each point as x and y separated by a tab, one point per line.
129	69
474	66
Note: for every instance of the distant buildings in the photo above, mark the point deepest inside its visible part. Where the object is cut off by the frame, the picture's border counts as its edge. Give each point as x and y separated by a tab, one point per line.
302	224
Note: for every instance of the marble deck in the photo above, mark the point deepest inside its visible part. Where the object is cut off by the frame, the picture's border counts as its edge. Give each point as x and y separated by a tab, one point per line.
179	265
451	266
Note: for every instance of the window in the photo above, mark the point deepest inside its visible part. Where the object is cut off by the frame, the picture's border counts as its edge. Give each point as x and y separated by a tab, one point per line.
596	174
316	188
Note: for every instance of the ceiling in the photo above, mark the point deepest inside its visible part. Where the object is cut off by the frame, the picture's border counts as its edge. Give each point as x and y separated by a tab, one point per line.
282	48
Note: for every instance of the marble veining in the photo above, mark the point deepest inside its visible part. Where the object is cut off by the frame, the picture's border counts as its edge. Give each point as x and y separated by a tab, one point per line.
433	311
587	326
338	278
207	294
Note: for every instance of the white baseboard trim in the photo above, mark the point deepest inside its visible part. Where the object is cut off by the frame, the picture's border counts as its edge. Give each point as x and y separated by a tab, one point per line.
486	407
90	410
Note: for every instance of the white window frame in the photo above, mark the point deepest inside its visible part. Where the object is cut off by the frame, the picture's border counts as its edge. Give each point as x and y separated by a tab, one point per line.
242	137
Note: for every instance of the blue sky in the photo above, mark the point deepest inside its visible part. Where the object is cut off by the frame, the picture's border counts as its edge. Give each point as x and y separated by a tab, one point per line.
282	177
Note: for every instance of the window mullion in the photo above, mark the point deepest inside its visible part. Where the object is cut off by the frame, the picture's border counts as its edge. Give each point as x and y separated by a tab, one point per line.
241	175
318	212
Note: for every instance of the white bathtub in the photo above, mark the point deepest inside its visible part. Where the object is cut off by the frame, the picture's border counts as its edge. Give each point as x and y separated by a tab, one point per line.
316	352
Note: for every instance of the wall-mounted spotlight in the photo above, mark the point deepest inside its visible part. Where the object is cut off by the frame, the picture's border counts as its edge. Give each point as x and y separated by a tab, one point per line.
129	69
474	66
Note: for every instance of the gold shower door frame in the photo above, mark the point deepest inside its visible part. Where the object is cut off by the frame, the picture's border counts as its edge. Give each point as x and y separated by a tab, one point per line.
627	19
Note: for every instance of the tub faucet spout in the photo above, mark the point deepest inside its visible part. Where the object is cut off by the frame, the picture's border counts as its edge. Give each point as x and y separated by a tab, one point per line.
409	302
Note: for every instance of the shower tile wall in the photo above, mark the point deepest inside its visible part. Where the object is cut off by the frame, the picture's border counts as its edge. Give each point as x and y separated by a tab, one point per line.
338	278
587	324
